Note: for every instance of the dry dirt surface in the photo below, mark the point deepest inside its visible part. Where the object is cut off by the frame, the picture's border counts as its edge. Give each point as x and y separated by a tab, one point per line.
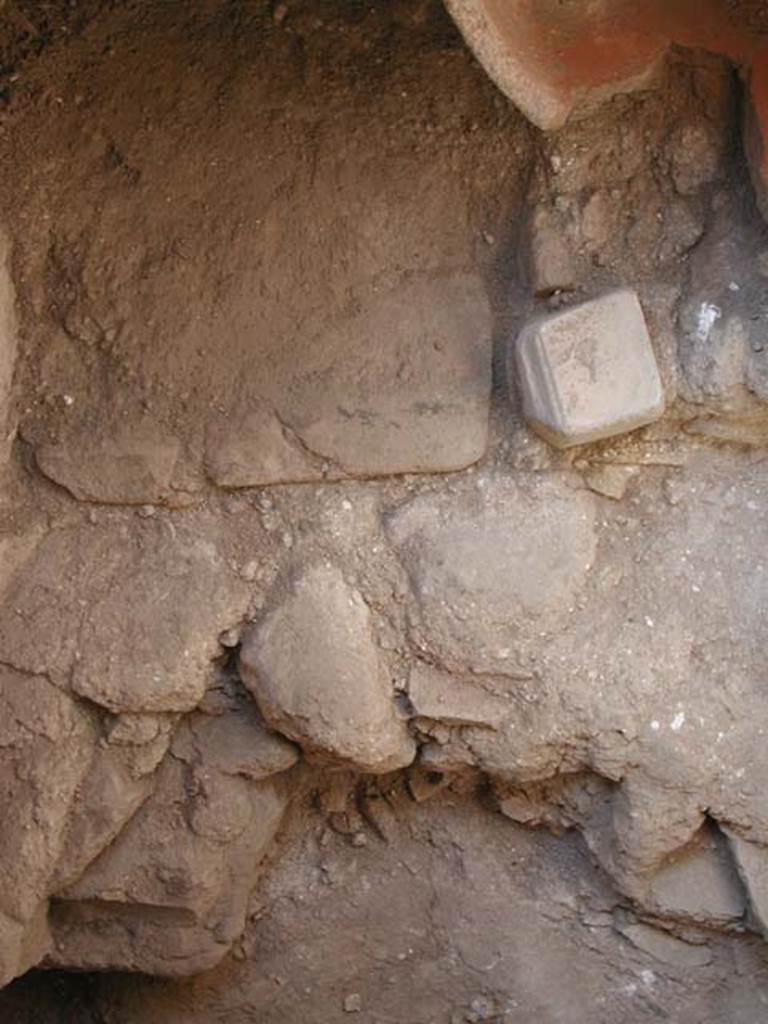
328	690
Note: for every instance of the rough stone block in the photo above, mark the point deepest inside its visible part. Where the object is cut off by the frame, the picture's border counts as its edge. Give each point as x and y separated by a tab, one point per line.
236	743
315	671
492	564
752	864
551	266
170	894
130	465
251	447
109	795
45	744
589	372
142	634
156	657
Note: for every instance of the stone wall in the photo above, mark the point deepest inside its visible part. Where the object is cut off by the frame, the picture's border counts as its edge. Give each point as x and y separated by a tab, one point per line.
302	302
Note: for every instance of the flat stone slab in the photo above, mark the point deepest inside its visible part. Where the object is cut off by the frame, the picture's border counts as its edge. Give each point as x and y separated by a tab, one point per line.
589	372
132	466
666	947
406	384
455	701
700	885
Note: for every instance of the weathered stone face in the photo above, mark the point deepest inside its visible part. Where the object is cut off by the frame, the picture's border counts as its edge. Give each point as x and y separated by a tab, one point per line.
144	637
438	696
156	617
119	465
314	670
402	386
723	376
589	372
236	743
187	863
492	563
118	781
551	264
752	864
45	748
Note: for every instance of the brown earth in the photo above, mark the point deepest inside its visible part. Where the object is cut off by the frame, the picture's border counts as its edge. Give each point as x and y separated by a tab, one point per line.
272	522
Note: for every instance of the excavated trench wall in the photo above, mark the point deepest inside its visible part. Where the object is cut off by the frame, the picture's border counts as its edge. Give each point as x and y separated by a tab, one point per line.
308	637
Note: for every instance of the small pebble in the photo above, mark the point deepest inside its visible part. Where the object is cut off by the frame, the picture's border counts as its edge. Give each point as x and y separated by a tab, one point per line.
353	1003
480	1009
249	571
229	638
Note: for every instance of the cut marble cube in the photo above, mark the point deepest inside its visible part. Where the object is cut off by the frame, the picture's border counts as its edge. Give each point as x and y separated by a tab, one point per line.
589	372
